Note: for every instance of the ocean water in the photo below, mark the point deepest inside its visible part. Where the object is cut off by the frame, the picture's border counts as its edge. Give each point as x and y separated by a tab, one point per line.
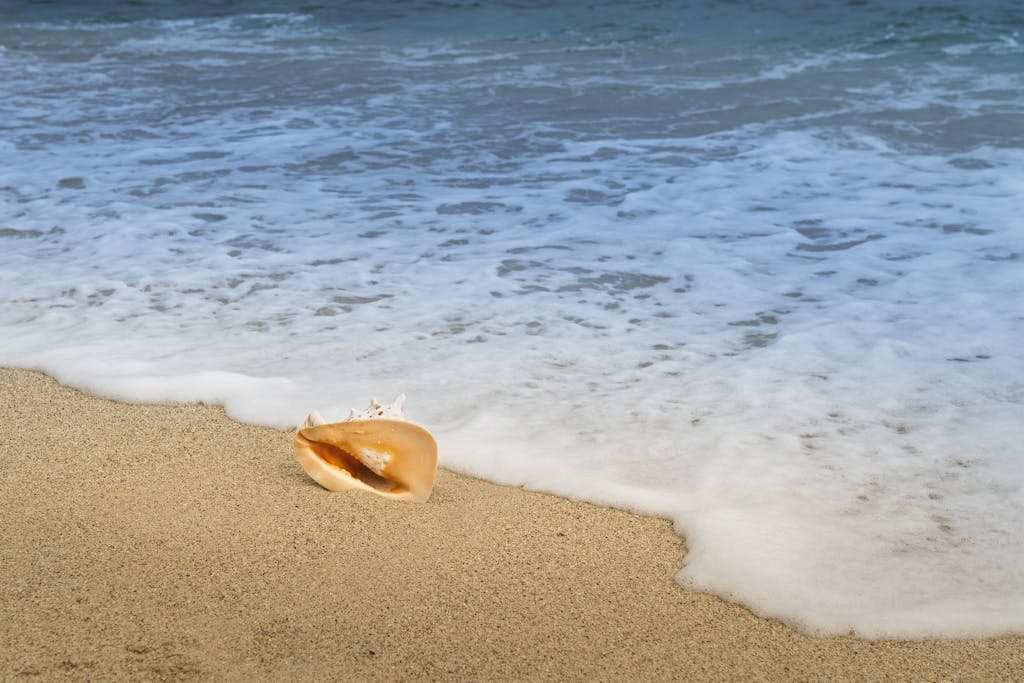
755	267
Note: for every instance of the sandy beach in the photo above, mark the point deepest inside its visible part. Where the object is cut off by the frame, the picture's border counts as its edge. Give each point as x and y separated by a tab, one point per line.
170	543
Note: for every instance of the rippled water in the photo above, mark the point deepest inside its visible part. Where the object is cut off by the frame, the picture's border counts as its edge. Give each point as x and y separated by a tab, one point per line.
753	267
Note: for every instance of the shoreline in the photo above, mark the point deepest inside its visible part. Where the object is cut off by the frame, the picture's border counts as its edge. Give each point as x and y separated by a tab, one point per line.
171	543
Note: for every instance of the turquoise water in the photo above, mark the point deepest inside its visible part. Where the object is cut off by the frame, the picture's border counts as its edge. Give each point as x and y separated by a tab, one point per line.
754	267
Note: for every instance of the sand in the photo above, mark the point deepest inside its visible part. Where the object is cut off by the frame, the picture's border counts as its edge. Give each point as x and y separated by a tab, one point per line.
170	543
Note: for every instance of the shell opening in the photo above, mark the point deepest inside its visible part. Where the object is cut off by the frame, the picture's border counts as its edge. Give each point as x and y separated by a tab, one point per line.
350	464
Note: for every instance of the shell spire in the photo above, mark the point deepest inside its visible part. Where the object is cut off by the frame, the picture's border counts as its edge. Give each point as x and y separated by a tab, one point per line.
374	450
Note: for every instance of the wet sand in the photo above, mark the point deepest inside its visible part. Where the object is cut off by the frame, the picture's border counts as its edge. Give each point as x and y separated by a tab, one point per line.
170	543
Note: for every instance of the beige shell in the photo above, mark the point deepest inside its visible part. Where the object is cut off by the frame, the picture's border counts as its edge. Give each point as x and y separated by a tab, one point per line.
392	458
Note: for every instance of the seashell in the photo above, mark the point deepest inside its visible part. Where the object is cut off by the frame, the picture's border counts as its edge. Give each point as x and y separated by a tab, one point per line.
375	450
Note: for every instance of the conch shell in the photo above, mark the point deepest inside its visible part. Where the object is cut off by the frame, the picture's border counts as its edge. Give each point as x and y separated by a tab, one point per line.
375	450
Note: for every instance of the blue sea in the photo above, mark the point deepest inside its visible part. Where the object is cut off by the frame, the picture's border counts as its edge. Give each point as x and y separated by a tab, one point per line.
755	267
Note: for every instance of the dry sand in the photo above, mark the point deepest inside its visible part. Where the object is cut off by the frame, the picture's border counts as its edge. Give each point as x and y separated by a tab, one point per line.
170	543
